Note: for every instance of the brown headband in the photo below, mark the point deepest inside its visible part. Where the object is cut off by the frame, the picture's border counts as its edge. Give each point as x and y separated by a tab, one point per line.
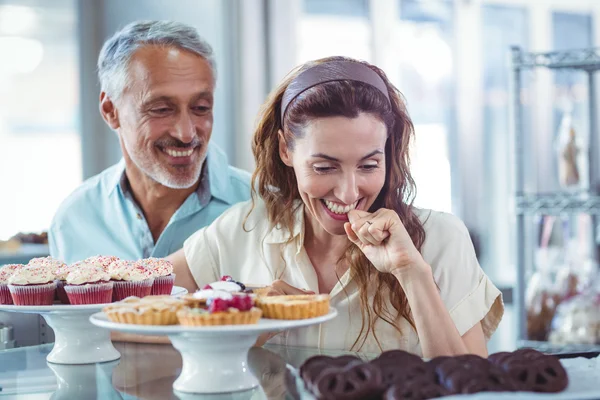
329	72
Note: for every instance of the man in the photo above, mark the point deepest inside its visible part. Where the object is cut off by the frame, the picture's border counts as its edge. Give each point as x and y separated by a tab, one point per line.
157	86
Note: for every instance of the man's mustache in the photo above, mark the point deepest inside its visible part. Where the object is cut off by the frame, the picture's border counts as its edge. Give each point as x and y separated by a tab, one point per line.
172	142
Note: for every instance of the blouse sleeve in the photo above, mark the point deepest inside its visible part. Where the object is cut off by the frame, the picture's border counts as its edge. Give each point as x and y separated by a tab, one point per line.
467	292
228	246
199	250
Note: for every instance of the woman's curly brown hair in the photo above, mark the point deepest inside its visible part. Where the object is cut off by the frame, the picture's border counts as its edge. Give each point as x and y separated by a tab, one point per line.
276	184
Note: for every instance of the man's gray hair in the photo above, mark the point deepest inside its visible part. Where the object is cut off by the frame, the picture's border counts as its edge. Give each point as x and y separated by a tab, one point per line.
117	51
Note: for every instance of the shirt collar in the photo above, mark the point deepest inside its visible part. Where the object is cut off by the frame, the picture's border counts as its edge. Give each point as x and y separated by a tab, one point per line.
280	234
118	175
214	179
218	174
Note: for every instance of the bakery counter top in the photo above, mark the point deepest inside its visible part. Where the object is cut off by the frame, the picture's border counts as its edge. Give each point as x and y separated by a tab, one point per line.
147	371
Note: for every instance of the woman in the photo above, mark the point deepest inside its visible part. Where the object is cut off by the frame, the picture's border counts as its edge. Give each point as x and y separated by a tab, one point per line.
331	212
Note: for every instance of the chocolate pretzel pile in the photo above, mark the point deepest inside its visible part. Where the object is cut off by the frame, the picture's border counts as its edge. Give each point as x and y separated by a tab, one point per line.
397	374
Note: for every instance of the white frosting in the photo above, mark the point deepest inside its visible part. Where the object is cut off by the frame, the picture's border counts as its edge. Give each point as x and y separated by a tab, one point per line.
159	266
129	271
101	261
31	275
87	273
62	272
46	262
7	271
231	287
212	294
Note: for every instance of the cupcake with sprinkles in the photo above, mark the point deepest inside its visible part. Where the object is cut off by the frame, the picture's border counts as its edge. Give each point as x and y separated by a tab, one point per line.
32	286
130	279
60	275
163	275
49	263
101	261
6	271
88	284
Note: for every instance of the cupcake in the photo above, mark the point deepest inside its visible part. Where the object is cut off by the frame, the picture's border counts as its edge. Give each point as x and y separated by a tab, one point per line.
32	286
51	264
222	308
6	271
87	284
150	310
61	274
163	275
130	279
101	261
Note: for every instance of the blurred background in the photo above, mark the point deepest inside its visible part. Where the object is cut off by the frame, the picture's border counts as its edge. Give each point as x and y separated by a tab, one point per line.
467	96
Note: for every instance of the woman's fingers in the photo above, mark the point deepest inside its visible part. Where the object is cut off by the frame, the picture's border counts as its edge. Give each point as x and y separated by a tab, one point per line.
365	235
351	235
285	288
368	228
273	292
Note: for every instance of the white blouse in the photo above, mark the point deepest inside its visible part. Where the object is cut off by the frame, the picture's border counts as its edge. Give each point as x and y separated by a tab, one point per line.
259	255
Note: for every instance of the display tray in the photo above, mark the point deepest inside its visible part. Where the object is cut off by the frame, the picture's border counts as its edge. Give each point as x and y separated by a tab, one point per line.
215	358
584	375
77	340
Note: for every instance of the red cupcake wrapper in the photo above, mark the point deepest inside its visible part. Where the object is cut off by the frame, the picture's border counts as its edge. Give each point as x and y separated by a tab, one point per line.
60	292
163	285
33	295
124	289
90	293
5	297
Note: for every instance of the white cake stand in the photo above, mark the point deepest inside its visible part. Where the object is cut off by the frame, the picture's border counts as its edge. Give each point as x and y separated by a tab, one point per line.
215	358
77	341
84	381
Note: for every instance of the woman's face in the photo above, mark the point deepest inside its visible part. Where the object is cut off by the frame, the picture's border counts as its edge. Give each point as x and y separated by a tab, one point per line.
339	166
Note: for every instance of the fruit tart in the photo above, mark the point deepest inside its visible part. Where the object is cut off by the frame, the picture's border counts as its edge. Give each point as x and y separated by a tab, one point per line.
226	284
221	308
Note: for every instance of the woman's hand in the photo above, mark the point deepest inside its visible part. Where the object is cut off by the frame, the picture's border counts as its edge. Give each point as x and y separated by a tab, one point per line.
382	237
282	288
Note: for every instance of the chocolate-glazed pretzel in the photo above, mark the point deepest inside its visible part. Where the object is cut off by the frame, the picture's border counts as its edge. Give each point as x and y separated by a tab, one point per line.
399	356
402	369
419	388
464	361
532	370
360	381
472	374
314	365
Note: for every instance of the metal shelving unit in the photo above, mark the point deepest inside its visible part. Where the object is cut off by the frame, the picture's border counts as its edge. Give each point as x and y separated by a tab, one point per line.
560	203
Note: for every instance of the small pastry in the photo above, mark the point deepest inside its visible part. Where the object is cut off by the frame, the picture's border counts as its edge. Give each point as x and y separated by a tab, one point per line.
149	310
222	308
293	307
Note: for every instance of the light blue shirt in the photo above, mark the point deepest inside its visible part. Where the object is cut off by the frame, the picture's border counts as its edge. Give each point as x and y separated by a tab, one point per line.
101	218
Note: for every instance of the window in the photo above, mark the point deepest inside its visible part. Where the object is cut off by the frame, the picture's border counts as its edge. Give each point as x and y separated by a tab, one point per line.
334	27
423	38
503	27
451	60
40	150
